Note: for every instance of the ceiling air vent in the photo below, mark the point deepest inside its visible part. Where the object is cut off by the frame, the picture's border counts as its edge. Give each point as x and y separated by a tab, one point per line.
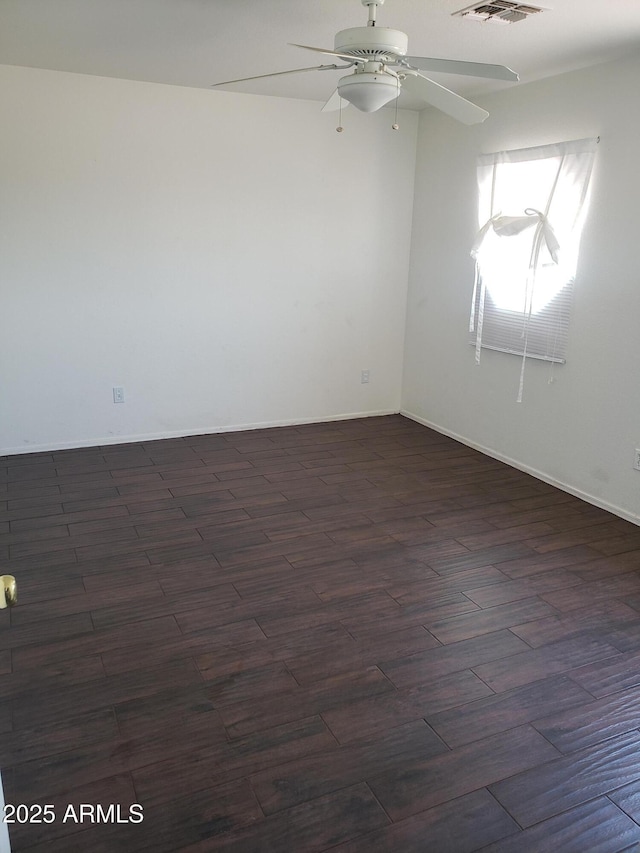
499	11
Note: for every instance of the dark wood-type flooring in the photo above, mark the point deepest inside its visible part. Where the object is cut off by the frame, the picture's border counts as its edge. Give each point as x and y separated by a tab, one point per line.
358	636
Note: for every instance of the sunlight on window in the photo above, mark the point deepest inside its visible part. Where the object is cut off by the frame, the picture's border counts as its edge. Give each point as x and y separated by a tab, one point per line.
532	203
507	262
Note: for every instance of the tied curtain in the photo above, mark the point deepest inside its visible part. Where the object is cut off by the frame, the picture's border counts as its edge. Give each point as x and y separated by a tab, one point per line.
531	209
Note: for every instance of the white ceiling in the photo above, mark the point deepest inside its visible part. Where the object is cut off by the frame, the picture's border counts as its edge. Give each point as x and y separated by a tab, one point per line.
201	42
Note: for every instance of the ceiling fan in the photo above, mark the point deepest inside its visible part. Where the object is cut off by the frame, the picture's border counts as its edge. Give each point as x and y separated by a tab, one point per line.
381	68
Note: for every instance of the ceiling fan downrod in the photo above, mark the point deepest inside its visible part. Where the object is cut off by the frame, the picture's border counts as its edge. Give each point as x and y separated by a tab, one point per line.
372	5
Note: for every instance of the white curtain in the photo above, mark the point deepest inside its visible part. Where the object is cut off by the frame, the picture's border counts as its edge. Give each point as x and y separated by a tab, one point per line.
531	210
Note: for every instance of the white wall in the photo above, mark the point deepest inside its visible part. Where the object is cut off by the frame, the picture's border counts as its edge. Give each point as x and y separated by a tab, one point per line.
580	431
233	261
230	260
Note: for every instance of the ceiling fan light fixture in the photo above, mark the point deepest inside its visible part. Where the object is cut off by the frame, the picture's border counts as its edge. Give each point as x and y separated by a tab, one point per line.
368	91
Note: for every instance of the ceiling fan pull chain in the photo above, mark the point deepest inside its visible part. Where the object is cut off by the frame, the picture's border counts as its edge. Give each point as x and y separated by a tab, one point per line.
395	125
340	128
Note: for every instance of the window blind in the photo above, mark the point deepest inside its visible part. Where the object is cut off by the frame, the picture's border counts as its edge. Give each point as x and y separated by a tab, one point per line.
531	207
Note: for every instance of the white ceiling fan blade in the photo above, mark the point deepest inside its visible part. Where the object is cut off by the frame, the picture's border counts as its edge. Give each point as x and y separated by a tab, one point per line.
455	66
280	73
444	99
346	56
334	103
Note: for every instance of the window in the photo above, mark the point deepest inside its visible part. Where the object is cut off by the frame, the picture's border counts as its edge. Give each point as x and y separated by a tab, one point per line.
531	211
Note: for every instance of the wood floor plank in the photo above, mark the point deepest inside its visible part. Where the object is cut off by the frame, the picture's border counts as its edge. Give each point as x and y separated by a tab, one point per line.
623	587
606	616
49	630
598	827
153	606
424	667
386	710
371	605
456	628
202	764
423	784
497	713
535	664
225	650
139	595
48	652
106	757
179	707
55	705
505	535
589	724
288	785
628	799
610	675
5	662
511	590
460	826
314	826
357	634
408	587
534	563
483	557
354	655
624	637
52	675
543	792
252	685
243	717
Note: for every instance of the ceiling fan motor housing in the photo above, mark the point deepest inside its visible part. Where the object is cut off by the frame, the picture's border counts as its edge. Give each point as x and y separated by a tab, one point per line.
371	42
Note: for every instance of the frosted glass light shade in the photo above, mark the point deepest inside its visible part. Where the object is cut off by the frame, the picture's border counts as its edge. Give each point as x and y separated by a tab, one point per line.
368	91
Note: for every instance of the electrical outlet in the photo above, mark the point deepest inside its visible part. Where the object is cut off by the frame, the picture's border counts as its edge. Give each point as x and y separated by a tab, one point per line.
364	377
636	463
118	394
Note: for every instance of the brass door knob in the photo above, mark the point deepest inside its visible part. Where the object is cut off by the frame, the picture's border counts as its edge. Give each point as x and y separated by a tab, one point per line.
8	591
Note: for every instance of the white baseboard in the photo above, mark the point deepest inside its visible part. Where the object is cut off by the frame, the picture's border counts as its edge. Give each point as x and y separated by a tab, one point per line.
102	441
539	475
